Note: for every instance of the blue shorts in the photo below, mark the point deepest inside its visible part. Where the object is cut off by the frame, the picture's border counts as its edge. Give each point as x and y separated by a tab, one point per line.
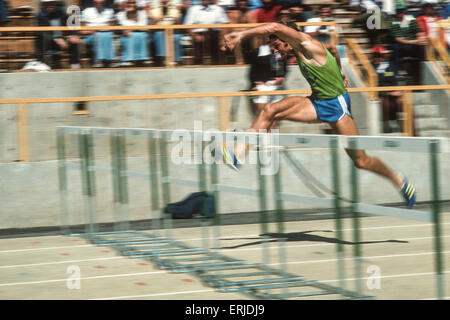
332	110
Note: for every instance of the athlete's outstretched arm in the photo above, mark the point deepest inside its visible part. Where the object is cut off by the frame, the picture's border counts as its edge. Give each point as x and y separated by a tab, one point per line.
298	40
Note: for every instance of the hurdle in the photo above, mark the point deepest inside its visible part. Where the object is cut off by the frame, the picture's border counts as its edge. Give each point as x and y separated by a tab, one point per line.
431	146
164	251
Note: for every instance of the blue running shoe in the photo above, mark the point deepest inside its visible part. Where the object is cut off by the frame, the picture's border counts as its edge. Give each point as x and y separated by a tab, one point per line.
230	158
409	193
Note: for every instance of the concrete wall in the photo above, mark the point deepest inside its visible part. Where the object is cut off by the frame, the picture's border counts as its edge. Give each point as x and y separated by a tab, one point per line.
29	193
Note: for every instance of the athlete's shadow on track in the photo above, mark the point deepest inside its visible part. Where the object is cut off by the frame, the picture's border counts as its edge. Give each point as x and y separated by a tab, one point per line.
301	236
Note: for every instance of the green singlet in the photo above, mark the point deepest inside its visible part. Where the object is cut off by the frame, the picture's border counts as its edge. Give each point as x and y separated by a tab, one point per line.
326	81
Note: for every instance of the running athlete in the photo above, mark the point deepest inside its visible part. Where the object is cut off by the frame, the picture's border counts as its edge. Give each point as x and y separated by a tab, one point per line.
329	102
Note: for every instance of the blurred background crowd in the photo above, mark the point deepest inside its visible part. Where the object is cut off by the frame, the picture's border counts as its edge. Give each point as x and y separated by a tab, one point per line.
401	32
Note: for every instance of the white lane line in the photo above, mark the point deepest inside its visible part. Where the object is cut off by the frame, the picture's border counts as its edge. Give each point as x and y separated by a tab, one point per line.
323	281
230	237
86	278
59	262
156	294
160	272
222	250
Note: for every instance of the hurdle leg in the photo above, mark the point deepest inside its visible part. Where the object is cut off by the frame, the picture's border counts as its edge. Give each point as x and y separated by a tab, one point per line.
88	179
62	178
154	183
338	213
115	180
356	225
439	264
164	164
214	180
123	181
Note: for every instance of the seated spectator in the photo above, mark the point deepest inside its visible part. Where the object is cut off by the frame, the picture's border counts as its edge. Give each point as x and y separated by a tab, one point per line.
267	73
4	13
99	43
445	13
267	13
391	100
50	44
428	23
408	42
283	15
297	13
321	33
166	14
225	4
240	14
134	43
206	13
120	5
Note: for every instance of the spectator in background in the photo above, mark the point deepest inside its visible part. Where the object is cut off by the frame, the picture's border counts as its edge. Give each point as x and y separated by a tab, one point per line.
241	14
408	42
206	13
134	43
166	14
50	44
99	43
267	13
391	100
283	15
321	33
120	5
445	13
267	73
4	13
428	22
298	13
225	4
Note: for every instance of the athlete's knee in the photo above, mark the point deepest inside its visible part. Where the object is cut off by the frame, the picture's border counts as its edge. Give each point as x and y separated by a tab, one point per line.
269	111
362	162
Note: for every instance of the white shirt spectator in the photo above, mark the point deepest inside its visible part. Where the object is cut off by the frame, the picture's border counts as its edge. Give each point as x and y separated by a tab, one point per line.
213	14
172	3
312	29
142	19
93	18
225	3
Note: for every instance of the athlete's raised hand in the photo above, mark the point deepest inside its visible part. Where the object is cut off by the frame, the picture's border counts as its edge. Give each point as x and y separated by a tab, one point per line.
231	40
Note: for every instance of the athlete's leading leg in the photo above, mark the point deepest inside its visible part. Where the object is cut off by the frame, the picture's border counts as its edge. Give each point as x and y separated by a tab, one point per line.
291	108
347	126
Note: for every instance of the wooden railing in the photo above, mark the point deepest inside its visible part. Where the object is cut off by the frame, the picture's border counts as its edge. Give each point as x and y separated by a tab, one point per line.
223	105
365	70
437	53
169	30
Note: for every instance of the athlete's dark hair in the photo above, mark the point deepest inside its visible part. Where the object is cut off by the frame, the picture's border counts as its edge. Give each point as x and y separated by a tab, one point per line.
290	23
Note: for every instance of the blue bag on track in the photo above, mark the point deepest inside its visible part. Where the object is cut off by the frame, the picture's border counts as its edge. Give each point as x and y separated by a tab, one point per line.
195	203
